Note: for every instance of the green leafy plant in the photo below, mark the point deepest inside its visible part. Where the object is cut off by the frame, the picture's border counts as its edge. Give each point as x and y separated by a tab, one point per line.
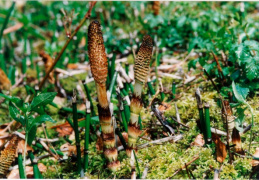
241	94
30	115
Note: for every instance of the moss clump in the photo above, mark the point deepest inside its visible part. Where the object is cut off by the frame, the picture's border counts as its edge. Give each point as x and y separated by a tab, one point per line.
130	59
71	82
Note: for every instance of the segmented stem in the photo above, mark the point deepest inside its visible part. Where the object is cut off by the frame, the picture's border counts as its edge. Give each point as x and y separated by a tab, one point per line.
99	69
141	71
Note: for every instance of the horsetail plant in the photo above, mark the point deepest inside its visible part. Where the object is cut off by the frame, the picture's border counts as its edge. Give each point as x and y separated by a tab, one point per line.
207	130
87	134
140	74
36	171
99	69
20	164
75	123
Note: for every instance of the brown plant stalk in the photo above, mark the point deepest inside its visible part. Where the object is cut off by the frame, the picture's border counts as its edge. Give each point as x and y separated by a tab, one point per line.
87	16
99	69
142	62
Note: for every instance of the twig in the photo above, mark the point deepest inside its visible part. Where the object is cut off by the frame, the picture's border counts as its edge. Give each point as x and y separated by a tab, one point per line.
180	123
159	141
246	129
156	142
216	172
177	114
219	67
34	142
144	174
28	161
218	132
87	16
186	164
151	102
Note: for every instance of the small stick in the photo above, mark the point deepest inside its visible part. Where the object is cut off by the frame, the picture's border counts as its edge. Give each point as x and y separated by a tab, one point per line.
219	67
87	16
144	174
218	132
177	114
246	129
156	142
186	164
159	141
180	123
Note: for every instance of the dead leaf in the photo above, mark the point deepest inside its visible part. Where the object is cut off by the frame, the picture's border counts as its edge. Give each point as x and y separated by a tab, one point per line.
82	42
13	28
72	66
65	128
125	136
5	83
70	149
199	141
237	141
21	145
48	61
256	154
164	106
14	174
221	151
99	144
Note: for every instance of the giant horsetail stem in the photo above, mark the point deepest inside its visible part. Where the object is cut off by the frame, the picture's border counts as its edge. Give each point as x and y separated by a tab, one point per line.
99	69
140	73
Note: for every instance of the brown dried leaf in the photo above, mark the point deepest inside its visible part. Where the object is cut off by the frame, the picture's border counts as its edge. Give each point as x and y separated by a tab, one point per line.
164	106
48	61
14	174
70	149
5	83
2	142
199	141
21	145
237	141
99	144
256	154
221	151
13	28
82	42
125	136
64	130
72	66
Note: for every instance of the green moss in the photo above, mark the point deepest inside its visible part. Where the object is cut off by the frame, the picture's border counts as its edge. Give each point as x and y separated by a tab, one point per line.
71	82
130	59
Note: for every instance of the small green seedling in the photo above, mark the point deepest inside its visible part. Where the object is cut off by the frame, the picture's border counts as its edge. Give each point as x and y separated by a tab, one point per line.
25	113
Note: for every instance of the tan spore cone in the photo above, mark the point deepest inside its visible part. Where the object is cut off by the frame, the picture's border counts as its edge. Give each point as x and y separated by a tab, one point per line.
99	69
143	59
140	74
